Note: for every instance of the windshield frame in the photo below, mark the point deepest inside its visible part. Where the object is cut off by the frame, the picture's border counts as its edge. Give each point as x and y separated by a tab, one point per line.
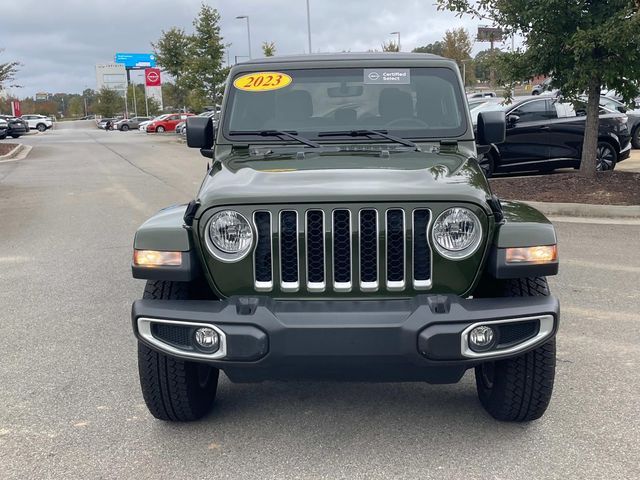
465	130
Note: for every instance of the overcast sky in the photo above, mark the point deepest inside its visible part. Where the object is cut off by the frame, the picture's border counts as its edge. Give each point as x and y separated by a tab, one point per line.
60	41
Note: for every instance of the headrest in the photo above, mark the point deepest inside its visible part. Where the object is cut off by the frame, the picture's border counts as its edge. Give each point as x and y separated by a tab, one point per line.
394	104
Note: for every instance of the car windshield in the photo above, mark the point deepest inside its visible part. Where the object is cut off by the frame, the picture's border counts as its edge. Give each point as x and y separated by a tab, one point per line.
406	102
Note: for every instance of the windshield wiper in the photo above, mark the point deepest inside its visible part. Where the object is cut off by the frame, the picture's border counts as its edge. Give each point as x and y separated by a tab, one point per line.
367	133
277	133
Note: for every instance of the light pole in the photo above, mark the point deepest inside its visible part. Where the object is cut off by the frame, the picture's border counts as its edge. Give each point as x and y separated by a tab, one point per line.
240	17
226	47
309	25
398	34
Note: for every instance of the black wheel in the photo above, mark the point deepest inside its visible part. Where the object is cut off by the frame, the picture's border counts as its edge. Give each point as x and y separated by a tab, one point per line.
124	128
635	139
41	127
13	135
518	389
488	164
607	157
175	390
535	92
160	129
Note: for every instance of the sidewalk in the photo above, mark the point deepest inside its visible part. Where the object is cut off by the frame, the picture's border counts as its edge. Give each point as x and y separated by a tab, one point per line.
631	164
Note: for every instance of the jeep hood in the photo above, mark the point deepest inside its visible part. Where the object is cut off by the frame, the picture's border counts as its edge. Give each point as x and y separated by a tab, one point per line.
344	177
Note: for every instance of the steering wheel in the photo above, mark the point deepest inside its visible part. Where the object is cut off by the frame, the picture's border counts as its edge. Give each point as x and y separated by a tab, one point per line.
415	121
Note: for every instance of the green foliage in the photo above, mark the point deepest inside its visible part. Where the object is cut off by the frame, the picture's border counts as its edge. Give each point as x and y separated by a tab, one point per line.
436	48
76	107
457	45
205	73
8	72
488	60
268	49
390	46
108	103
584	45
172	51
172	54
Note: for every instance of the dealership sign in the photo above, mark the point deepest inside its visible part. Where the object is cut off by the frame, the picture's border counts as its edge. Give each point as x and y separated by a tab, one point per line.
152	77
15	108
136	60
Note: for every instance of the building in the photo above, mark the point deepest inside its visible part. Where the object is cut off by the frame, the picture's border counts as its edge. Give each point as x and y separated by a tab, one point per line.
111	75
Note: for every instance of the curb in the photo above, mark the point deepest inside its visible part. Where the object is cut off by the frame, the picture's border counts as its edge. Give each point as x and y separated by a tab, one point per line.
18	153
586	210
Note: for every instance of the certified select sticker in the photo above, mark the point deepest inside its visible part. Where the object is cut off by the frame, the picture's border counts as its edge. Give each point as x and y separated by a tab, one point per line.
384	76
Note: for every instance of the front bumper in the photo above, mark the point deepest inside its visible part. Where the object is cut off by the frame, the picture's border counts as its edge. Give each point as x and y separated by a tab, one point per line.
422	338
625	152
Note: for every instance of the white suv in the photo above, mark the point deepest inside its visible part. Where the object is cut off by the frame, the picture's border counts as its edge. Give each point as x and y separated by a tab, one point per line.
38	122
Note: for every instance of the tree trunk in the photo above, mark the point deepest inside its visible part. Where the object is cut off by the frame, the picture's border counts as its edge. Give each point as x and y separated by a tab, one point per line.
590	143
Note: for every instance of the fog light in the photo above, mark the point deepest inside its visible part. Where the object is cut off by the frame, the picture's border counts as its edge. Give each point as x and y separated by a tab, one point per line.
207	339
481	338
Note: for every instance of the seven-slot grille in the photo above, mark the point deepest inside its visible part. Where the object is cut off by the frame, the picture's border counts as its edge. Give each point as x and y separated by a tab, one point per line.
342	250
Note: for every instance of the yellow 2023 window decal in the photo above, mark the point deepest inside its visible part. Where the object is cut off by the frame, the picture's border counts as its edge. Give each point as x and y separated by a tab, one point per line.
262	81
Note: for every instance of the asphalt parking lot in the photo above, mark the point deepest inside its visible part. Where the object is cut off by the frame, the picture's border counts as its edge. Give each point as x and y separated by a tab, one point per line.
70	401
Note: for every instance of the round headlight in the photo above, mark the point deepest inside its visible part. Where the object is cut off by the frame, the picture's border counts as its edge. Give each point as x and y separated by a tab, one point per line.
457	233
230	233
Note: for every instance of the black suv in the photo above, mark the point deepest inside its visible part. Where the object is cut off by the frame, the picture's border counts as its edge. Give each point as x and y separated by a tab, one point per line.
16	126
544	133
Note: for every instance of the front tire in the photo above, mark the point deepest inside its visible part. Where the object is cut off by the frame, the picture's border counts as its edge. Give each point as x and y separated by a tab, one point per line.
160	130
518	389
607	157
174	389
15	136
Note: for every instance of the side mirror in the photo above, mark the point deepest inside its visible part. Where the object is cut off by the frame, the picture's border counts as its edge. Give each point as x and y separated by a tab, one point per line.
622	109
200	133
512	120
491	128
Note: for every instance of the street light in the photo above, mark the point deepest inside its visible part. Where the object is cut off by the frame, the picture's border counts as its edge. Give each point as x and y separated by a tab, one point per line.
309	26
398	34
240	17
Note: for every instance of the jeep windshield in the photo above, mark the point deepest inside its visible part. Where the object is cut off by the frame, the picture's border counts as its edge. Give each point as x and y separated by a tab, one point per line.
318	104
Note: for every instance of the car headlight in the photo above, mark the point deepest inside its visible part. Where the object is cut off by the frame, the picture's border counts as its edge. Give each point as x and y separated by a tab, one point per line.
229	236
457	233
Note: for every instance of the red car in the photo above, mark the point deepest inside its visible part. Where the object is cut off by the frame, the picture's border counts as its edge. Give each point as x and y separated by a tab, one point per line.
167	123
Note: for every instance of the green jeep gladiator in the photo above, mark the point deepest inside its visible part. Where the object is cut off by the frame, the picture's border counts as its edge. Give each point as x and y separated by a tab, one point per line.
344	230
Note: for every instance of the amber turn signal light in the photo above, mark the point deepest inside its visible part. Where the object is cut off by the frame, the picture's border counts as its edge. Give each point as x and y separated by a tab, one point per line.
541	254
155	258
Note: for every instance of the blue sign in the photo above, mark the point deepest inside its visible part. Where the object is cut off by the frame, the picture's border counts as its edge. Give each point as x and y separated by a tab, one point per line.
136	60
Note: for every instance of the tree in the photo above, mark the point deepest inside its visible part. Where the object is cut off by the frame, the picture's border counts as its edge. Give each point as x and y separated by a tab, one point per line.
172	55
487	61
390	46
76	106
269	49
437	48
206	74
8	72
583	45
108	102
457	45
172	51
